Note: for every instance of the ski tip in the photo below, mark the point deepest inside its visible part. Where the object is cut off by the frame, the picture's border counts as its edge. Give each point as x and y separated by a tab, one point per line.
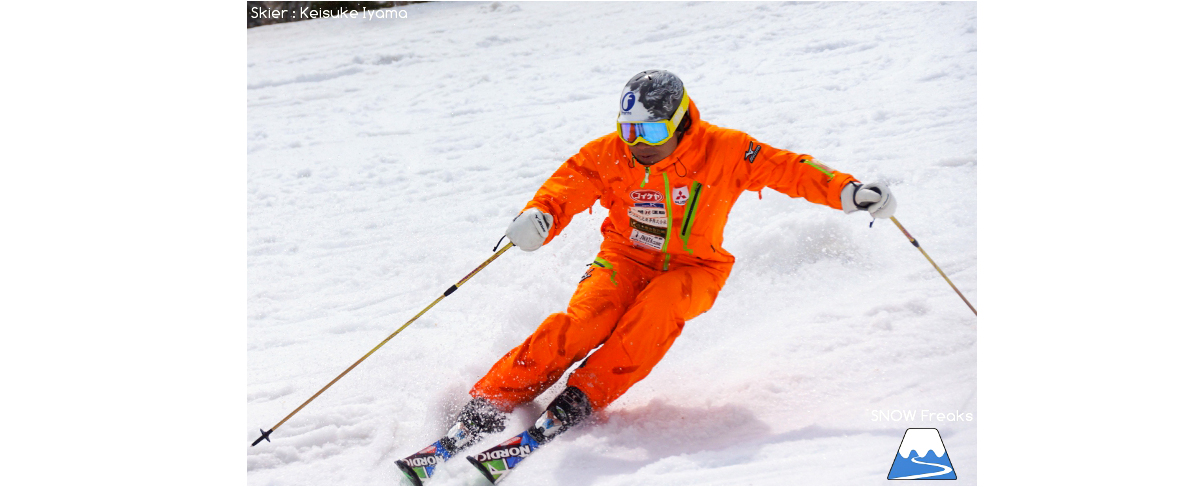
483	470
408	472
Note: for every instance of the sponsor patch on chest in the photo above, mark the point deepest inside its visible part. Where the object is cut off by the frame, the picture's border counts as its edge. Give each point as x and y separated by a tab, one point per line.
680	195
642	196
655	216
646	240
648	225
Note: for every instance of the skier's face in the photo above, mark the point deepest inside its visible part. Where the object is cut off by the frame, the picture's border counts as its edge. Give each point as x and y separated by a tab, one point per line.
649	154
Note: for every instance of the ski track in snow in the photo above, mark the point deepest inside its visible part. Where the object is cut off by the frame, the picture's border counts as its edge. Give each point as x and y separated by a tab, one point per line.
386	157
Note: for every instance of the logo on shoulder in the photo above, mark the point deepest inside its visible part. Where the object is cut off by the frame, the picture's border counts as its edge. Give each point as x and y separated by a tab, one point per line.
752	152
628	100
923	456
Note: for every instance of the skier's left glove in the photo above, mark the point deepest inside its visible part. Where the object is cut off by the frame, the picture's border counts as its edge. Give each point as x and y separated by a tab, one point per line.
875	198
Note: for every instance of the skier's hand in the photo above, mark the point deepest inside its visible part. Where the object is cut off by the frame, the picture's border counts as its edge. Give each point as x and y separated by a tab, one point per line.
530	229
875	198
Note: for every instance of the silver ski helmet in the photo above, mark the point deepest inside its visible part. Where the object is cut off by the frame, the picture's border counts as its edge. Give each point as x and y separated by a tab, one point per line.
653	106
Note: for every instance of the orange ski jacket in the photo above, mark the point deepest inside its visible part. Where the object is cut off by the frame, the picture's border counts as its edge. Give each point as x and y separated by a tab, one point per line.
678	206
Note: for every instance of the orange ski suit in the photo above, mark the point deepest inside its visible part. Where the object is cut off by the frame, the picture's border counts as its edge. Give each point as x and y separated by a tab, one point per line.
661	262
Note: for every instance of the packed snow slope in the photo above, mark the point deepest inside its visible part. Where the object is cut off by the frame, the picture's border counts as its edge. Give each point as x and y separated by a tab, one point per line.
387	156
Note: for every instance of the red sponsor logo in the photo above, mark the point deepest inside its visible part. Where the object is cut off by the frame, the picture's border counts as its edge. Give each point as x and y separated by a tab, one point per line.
646	196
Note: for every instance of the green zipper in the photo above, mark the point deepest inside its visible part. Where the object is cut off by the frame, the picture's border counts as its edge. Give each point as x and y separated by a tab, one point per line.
647	179
690	217
667	240
818	166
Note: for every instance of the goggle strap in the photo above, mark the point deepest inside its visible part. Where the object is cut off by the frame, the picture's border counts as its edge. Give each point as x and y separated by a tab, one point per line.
680	111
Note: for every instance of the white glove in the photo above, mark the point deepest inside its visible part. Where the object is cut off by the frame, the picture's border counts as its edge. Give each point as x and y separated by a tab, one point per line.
530	229
876	198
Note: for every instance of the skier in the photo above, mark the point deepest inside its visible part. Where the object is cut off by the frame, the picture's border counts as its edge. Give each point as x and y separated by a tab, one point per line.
669	180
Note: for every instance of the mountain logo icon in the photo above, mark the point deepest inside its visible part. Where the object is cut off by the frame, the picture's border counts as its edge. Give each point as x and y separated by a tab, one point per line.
922	455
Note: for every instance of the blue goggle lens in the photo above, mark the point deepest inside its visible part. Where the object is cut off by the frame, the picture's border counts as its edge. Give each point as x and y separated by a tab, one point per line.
652	132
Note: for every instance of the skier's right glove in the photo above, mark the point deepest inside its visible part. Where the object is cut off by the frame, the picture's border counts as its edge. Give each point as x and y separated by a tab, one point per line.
530	229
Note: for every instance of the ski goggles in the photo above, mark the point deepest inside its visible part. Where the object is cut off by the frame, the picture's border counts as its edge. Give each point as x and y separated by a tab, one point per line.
653	133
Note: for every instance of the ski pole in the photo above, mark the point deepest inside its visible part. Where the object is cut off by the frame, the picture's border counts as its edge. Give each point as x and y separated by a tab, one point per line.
266	434
935	266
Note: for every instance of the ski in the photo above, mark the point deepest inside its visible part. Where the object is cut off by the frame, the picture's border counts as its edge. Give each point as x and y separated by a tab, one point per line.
419	466
477	418
496	462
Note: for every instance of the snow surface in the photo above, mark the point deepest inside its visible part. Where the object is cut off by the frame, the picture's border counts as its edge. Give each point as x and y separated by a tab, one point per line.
386	157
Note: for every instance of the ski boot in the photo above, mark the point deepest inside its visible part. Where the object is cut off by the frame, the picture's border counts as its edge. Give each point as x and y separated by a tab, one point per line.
568	409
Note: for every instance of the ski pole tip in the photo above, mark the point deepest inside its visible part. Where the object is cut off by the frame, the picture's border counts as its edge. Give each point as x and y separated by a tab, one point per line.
266	435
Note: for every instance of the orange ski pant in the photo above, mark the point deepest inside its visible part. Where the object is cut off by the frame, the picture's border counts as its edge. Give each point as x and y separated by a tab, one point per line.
631	309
